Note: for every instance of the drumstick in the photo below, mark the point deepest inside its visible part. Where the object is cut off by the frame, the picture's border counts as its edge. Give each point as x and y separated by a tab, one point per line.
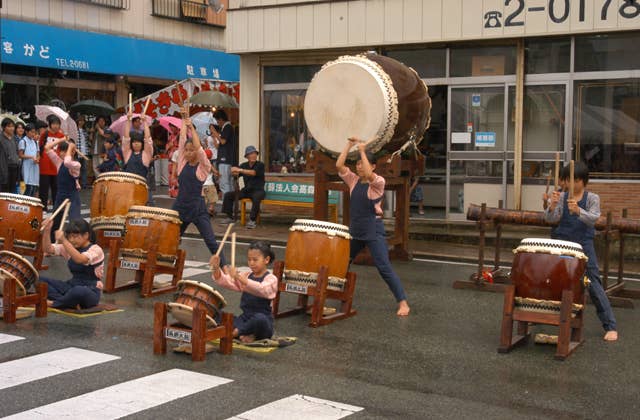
64	217
146	105
55	213
571	168
233	249
82	155
557	172
224	238
130	101
548	183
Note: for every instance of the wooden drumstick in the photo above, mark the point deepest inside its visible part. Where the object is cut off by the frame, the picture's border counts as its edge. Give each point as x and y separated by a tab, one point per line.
233	249
146	105
64	217
224	238
571	169
557	172
55	213
130	101
82	155
548	183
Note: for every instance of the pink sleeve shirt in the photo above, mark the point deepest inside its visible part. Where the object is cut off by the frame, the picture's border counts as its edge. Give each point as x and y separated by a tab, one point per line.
266	289
72	165
204	166
374	192
147	150
95	254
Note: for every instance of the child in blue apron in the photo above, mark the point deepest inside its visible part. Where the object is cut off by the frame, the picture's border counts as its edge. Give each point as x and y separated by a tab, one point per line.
577	216
193	168
365	222
258	289
67	178
85	261
137	150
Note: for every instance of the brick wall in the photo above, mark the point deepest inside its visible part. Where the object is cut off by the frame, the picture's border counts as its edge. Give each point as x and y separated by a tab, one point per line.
617	196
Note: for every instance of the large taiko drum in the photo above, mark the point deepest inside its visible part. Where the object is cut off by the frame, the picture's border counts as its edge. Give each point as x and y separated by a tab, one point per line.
369	96
13	265
113	194
194	294
543	268
146	226
312	244
23	214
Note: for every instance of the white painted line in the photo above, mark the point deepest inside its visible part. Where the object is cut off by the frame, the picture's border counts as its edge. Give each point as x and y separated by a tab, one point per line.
299	407
127	398
190	272
8	338
192	263
44	365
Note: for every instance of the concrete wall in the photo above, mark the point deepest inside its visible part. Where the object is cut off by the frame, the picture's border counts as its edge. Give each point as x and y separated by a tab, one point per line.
274	25
136	21
250	94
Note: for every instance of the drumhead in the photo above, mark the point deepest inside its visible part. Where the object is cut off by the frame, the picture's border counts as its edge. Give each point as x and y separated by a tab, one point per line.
22	199
154	213
328	228
551	246
121	177
351	96
26	262
184	314
206	287
20	290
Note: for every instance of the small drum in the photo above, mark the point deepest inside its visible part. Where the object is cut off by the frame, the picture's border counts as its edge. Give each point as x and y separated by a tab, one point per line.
146	226
194	294
113	194
13	265
543	268
314	243
370	96
24	215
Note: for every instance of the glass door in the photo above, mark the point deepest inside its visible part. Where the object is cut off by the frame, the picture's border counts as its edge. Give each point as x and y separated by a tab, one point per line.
476	147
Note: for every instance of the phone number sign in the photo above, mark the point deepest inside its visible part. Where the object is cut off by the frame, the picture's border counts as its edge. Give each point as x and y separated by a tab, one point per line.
536	16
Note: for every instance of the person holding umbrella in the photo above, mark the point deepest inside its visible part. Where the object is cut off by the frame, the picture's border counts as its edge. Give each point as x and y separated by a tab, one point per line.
48	171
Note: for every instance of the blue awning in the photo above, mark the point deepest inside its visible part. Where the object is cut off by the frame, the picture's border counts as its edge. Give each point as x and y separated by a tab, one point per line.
31	44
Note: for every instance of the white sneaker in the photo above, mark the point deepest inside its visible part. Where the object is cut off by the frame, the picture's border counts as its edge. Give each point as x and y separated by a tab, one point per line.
251	224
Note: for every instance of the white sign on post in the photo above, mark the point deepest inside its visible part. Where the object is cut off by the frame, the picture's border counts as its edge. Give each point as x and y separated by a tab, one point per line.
461	138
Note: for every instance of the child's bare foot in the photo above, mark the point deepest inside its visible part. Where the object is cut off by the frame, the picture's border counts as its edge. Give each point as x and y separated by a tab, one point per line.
49	303
403	308
247	338
611	336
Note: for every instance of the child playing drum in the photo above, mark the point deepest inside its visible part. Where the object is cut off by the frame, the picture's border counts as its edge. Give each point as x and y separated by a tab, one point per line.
365	224
86	263
67	178
193	168
258	289
577	216
137	149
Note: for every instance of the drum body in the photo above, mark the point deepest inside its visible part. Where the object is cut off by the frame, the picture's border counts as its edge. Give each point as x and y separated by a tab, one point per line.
194	294
146	226
24	215
12	264
369	96
543	268
312	244
113	194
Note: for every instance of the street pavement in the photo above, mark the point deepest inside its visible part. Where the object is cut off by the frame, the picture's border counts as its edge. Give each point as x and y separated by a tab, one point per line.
440	362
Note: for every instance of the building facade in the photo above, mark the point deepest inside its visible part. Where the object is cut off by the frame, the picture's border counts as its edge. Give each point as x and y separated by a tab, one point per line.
581	87
70	50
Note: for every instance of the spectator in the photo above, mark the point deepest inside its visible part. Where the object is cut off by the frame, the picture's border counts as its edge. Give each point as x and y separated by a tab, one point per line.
29	152
227	141
48	171
252	172
9	159
98	142
84	147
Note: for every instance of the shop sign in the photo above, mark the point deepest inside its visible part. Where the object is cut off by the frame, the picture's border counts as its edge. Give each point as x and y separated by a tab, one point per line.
31	44
485	139
475	100
461	138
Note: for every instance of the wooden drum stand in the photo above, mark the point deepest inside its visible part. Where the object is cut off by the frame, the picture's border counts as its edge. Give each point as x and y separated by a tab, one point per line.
11	301
10	244
198	335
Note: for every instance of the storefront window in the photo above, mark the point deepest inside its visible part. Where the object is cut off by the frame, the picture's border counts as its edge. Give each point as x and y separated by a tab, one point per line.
548	55
289	74
427	62
543	115
607	126
17	98
607	52
477	119
483	61
434	143
288	140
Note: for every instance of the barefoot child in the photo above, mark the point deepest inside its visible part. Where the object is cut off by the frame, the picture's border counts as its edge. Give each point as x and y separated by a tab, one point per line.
365	224
258	290
86	263
577	216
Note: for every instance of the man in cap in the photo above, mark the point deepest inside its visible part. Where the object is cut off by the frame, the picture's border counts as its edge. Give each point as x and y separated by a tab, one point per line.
252	172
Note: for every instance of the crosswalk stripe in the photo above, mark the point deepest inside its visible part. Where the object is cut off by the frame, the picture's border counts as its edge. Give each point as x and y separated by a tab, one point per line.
44	365
8	338
128	397
299	407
